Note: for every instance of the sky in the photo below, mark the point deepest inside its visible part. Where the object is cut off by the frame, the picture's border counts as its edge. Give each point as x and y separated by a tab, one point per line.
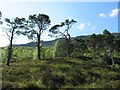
91	17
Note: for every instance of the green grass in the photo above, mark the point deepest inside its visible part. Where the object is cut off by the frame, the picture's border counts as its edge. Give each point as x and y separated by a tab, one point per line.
64	73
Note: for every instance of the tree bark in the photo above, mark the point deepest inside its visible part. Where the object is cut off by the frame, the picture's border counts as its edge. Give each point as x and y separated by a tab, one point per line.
10	49
68	46
68	49
38	46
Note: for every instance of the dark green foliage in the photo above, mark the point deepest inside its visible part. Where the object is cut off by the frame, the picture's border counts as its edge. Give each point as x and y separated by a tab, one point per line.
109	44
108	41
32	86
93	41
108	60
52	80
117	45
79	48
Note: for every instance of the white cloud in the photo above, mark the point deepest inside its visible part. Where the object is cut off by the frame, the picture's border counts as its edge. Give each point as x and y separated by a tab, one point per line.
81	26
88	25
102	15
114	12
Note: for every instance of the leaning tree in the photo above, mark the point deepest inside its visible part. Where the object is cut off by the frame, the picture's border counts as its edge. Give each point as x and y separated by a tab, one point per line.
13	28
35	27
56	31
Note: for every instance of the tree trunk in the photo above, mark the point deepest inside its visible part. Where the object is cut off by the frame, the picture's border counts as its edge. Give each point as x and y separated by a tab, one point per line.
10	49
68	49
68	46
38	46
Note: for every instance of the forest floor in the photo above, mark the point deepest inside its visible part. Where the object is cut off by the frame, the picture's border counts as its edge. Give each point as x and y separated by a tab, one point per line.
60	73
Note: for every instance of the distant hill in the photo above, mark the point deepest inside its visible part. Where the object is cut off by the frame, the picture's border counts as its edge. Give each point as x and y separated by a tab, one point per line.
51	43
115	34
33	44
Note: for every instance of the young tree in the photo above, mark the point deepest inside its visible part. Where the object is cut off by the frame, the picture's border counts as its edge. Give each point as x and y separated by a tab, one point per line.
80	47
93	43
60	48
109	42
14	27
56	31
100	46
36	25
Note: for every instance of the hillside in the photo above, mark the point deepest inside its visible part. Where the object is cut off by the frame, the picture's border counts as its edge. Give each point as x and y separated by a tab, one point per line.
83	71
51	43
60	73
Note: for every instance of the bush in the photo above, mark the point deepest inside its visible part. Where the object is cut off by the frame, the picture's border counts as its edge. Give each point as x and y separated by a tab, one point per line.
60	49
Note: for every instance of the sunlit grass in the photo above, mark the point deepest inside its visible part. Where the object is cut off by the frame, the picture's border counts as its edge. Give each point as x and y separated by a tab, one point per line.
66	73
